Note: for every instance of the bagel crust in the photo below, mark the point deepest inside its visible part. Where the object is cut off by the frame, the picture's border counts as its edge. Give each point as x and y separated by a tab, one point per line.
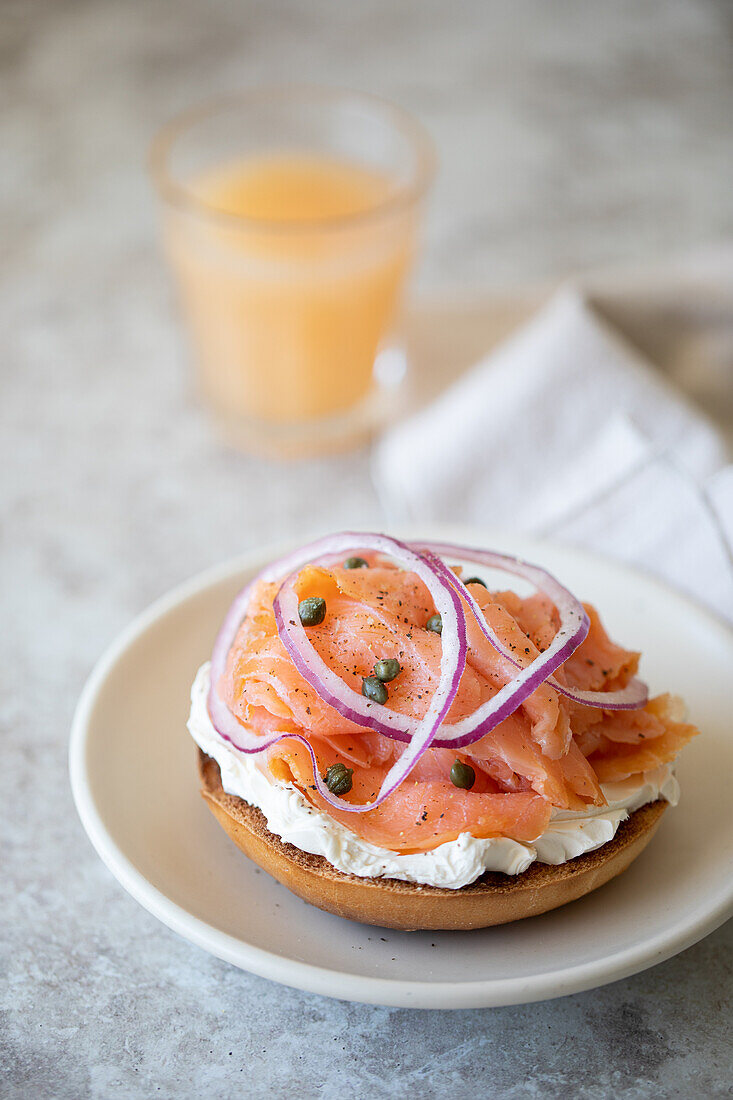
390	903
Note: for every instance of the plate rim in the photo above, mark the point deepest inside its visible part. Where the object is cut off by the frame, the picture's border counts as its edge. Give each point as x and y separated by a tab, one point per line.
480	993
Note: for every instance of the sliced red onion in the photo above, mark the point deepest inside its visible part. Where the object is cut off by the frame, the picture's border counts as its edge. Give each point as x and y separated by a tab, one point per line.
222	718
248	742
357	708
453	660
633	696
224	722
574	626
329	685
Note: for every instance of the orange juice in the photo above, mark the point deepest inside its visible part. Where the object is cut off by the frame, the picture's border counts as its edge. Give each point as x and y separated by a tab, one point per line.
291	269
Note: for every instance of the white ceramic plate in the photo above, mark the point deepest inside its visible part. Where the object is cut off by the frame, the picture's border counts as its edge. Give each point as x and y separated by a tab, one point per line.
133	774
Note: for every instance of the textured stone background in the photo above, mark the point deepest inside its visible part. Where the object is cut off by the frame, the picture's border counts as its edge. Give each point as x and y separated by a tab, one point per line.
572	135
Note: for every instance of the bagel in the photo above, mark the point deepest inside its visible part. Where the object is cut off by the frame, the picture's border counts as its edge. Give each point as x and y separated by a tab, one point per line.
390	903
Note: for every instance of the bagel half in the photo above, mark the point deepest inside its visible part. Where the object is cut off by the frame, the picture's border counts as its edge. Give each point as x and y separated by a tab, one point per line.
390	903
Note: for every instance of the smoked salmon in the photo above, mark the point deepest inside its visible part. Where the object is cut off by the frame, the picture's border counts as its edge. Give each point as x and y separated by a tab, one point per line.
551	753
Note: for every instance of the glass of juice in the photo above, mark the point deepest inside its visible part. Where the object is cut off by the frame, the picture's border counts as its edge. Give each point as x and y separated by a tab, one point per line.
290	217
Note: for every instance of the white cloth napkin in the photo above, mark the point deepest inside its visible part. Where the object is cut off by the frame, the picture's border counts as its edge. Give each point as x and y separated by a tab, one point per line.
566	431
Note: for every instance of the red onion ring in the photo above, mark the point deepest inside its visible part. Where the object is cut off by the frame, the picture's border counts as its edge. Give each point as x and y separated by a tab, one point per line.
574	626
224	722
453	660
357	708
633	696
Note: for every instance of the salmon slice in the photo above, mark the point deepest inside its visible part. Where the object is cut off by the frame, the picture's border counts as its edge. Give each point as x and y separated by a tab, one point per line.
420	815
615	761
536	615
598	664
368	619
653	736
568	782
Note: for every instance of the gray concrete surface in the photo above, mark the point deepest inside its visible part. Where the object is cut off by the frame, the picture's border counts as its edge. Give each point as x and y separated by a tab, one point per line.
572	135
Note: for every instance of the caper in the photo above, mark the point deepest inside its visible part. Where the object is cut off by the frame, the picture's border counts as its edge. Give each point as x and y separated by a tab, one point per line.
475	580
462	775
312	611
338	779
435	623
387	669
374	689
356	563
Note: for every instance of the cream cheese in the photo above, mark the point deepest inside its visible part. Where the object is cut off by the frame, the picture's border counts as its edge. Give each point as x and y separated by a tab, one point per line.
451	865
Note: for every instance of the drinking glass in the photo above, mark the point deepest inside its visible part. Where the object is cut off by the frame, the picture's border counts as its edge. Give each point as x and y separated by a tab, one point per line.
290	218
